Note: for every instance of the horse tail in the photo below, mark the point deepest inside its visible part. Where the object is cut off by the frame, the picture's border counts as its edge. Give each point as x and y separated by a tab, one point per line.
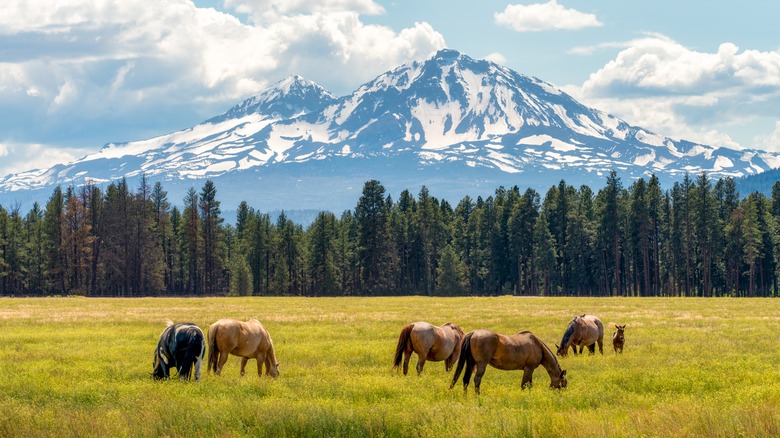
213	349
403	340
465	356
192	349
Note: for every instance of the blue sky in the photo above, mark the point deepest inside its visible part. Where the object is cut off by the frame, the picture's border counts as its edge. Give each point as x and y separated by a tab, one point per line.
78	74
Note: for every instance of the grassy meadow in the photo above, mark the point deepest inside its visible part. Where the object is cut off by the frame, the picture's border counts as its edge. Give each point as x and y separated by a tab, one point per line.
691	367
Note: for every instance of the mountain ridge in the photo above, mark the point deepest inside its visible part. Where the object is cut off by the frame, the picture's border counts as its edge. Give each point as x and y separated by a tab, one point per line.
450	122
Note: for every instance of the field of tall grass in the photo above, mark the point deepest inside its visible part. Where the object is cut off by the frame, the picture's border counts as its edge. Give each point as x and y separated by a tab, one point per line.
691	367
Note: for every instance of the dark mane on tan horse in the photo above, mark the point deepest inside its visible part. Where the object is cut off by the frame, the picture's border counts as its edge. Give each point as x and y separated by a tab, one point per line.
248	340
430	342
582	331
521	351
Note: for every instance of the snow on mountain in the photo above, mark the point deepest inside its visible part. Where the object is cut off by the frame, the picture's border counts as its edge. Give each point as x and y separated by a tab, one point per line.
456	124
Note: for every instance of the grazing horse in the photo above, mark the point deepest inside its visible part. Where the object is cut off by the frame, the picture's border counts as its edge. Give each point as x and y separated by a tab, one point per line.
583	331
181	346
248	340
522	351
618	338
430	342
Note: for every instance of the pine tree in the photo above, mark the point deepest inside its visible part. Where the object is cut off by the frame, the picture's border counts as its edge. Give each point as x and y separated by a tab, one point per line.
451	274
371	215
36	256
189	241
211	235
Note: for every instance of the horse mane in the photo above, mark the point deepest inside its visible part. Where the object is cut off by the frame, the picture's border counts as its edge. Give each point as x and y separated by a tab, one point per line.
455	327
569	331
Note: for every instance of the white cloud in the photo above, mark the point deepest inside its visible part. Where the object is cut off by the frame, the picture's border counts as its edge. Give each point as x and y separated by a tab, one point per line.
658	83
496	57
544	16
770	142
18	157
95	71
271	10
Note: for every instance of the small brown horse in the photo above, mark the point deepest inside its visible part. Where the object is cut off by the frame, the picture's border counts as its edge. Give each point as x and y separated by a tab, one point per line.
248	340
522	351
583	331
430	342
618	338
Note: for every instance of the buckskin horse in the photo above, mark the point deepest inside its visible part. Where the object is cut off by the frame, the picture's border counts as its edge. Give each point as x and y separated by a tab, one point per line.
181	346
430	342
521	351
248	340
582	331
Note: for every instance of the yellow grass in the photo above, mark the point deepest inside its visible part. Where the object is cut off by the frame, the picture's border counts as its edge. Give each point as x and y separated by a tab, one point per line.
691	367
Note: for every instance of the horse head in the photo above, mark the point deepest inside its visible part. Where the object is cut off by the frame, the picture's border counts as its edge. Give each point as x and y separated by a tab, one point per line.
558	380
272	369
159	365
620	329
561	351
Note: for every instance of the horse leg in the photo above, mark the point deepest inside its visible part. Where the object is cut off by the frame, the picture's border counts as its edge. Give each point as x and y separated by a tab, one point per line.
592	349
260	361
528	375
420	363
467	376
601	346
223	357
478	377
407	357
243	365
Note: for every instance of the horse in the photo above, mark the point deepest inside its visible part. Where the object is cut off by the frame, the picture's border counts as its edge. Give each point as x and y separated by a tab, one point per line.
583	331
430	342
618	338
521	351
248	340
181	346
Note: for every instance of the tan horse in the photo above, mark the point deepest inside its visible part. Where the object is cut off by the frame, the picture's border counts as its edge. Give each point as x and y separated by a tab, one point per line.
248	340
583	331
619	338
430	342
522	351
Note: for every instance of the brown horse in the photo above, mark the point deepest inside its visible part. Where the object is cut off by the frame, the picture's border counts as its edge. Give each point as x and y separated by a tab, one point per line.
618	338
430	342
522	351
583	331
248	340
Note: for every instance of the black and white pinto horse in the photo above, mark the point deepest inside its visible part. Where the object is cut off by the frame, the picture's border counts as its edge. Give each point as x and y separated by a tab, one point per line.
181	346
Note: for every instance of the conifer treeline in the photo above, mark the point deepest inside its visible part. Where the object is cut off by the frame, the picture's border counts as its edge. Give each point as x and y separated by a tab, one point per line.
698	238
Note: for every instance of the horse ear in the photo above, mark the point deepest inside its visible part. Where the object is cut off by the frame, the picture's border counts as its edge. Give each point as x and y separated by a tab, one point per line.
563	373
617	326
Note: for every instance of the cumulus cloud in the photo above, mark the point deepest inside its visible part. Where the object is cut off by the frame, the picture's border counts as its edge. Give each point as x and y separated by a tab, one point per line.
660	84
89	72
770	142
544	16
496	57
19	156
261	11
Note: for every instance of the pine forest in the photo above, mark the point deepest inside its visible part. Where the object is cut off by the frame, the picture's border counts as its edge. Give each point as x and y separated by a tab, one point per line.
698	238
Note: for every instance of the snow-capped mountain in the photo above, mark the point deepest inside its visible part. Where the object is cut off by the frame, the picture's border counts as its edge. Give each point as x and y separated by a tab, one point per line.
458	125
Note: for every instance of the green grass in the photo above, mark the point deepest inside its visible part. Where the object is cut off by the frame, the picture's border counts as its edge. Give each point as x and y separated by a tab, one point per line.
691	367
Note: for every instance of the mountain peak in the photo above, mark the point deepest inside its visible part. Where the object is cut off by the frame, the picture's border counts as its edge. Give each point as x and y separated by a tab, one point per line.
448	55
285	99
